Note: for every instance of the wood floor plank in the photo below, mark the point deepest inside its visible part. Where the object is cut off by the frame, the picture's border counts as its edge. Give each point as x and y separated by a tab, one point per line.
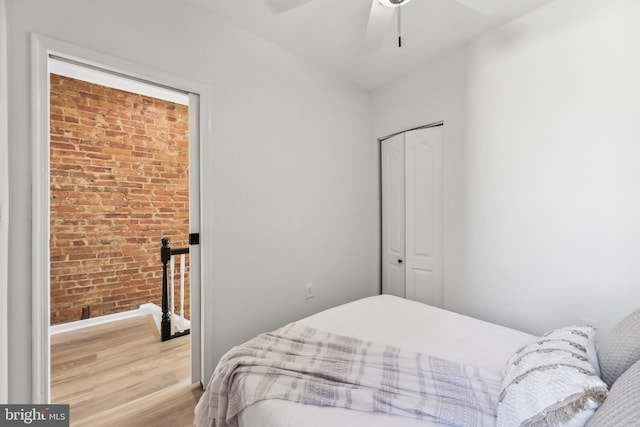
102	370
172	407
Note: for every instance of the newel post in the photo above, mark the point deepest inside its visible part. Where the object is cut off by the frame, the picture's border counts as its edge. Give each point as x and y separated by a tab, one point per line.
165	323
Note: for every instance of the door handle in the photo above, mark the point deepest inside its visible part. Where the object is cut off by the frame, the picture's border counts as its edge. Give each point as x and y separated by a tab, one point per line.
399	261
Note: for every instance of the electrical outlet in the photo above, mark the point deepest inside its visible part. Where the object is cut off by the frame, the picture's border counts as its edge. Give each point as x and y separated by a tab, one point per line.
308	291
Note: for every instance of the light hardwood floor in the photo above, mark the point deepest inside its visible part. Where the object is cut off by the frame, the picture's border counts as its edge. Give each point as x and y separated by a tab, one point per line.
120	374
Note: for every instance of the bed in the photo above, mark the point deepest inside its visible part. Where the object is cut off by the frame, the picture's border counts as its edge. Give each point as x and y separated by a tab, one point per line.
509	360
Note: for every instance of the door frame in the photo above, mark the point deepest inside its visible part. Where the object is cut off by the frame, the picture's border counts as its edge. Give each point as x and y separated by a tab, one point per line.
42	48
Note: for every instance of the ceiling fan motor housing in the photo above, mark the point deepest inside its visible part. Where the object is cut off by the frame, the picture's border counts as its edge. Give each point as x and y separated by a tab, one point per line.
393	3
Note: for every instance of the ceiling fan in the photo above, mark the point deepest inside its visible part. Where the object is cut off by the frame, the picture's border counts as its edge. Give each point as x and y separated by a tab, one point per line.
381	15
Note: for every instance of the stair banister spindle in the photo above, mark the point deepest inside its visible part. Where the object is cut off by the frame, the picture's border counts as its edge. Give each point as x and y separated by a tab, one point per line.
172	290
182	272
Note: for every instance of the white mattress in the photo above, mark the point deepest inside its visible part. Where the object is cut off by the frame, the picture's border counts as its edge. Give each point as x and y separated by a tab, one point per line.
391	320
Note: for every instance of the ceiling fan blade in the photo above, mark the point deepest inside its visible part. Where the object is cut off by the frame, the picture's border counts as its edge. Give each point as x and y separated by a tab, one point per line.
485	7
281	6
380	18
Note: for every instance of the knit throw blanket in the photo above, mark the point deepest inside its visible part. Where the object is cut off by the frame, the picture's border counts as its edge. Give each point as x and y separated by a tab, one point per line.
313	367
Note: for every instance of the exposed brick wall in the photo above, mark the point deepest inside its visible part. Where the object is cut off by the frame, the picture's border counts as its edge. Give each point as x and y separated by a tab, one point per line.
119	183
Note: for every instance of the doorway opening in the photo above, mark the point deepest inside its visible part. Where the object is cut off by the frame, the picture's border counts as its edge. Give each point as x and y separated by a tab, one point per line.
119	184
115	275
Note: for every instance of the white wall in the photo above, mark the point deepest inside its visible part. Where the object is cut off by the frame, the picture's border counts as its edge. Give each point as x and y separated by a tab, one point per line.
290	190
4	208
542	131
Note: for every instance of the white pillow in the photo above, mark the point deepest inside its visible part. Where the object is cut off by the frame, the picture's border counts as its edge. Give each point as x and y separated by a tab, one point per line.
552	381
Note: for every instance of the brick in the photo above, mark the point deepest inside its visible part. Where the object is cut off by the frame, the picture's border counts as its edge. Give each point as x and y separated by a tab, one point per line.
108	213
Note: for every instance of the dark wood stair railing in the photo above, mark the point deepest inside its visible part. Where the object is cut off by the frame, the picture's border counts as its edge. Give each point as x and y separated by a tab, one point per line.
165	324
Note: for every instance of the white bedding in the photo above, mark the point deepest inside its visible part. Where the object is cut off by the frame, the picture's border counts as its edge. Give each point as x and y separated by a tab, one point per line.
391	320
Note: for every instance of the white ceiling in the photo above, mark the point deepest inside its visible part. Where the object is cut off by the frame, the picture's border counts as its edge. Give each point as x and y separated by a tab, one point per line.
330	33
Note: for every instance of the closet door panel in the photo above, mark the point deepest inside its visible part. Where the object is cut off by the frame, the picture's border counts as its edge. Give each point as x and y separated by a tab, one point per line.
423	216
423	285
393	224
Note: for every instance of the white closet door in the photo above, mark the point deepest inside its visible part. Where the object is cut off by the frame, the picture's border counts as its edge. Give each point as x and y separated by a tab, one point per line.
393	212
423	216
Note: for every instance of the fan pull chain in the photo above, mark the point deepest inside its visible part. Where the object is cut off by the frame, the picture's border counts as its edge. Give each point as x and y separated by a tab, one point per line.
399	27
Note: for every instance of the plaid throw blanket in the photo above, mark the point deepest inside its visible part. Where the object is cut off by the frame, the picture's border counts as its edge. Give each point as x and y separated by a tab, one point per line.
305	365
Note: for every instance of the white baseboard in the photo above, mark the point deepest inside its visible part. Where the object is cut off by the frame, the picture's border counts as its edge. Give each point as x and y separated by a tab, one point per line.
144	310
156	311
